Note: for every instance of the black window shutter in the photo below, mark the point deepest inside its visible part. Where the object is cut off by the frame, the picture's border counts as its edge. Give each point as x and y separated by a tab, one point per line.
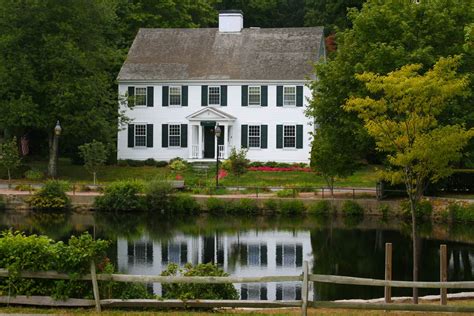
279	139
299	255
299	136
149	135
184	135
183	256
279	292
279	95
263	255
164	135
243	292
131	135
244	134
204	95
184	96
279	255
299	96
263	136
264	96
223	95
164	99
164	253
263	292
131	93
149	96
245	95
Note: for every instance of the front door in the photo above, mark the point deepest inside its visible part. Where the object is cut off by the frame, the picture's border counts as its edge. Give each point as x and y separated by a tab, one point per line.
209	142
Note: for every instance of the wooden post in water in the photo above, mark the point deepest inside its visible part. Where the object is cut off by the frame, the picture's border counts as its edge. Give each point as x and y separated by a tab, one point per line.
388	272
304	290
95	287
443	273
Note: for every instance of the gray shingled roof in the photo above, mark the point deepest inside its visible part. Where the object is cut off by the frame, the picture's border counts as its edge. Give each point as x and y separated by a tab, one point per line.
207	54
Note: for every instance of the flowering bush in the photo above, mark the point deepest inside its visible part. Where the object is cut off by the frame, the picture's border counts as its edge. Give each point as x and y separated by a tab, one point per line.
222	173
273	169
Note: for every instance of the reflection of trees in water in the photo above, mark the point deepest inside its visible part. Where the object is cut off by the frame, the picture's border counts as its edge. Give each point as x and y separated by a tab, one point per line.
127	224
56	225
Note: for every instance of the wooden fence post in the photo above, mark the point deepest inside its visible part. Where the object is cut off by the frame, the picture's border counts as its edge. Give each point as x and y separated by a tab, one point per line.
304	290
388	271
95	287
443	273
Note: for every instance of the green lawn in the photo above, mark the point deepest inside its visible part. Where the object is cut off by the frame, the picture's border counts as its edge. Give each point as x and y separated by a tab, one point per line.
365	177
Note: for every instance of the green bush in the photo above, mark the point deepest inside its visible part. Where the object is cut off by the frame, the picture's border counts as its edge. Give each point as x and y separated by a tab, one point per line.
121	196
320	208
186	204
158	195
193	291
287	193
270	205
52	196
352	208
238	161
178	164
161	164
461	213
150	162
384	209
216	206
423	210
34	175
243	206
291	207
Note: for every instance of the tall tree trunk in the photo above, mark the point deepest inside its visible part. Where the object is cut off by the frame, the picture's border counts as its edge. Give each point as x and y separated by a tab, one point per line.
415	248
9	178
53	156
94	173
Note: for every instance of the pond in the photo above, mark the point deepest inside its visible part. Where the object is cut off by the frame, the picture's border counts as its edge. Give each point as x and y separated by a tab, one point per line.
144	243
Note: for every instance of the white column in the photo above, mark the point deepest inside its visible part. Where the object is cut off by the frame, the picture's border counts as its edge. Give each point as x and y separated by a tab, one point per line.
200	141
226	137
190	140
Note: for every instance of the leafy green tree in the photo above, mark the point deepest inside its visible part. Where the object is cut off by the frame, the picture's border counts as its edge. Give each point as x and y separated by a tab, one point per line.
402	114
331	157
385	36
94	155
10	157
332	14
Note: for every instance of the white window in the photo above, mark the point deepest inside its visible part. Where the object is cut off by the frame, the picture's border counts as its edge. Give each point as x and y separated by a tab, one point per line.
140	135
254	136
214	95
289	96
254	95
289	136
174	135
140	252
140	96
175	96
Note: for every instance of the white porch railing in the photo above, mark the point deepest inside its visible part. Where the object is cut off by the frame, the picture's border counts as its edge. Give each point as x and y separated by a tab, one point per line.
195	152
221	151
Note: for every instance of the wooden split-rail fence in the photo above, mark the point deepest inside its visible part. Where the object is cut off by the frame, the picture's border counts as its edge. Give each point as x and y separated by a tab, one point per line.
306	278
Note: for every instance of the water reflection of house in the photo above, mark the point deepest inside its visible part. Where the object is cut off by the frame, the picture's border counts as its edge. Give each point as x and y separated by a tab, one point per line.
251	253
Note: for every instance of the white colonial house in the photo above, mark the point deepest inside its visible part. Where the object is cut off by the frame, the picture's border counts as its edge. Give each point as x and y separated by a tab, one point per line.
252	83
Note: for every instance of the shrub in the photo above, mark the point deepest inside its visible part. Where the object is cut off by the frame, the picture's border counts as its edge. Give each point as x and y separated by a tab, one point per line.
215	205
184	203
384	209
178	164
352	208
161	164
423	210
52	196
158	195
238	161
121	196
150	162
24	187
291	207
189	291
226	165
287	193
34	175
461	213
243	206
122	163
270	205
320	208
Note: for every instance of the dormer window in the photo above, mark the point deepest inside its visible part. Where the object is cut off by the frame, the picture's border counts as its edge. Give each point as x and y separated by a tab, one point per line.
214	95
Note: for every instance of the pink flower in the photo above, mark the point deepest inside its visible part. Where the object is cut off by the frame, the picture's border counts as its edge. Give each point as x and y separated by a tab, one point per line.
222	173
179	177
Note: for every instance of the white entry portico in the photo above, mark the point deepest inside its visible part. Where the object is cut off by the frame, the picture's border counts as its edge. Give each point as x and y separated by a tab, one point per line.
201	133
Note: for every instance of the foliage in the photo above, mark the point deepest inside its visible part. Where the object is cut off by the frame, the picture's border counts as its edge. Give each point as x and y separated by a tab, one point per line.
141	163
9	156
291	207
238	161
240	206
24	187
384	209
121	196
189	291
270	205
461	213
322	207
352	208
178	164
185	204
402	117
423	210
52	196
331	14
158	195
287	193
3	205
34	175
94	155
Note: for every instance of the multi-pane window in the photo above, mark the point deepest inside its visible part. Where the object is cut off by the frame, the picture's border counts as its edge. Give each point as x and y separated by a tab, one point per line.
289	96
140	96
289	136
175	135
254	95
140	252
175	96
140	135
254	136
214	95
